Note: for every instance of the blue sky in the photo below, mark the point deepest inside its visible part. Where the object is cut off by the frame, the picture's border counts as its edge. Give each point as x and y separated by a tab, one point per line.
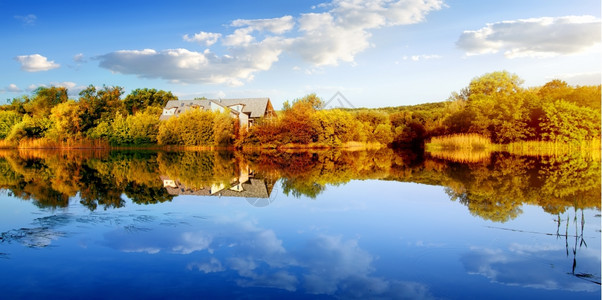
376	53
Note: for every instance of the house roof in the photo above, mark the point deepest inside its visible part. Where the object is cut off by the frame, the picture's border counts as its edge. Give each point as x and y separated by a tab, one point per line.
254	107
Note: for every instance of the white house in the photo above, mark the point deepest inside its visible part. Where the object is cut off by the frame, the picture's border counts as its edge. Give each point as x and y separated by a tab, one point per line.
247	110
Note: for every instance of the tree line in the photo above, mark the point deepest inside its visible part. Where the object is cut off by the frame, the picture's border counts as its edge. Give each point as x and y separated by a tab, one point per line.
494	105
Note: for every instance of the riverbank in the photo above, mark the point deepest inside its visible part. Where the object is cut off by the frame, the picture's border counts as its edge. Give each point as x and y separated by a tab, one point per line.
84	144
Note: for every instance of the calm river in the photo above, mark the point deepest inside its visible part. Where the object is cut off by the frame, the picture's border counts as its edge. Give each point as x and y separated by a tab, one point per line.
360	225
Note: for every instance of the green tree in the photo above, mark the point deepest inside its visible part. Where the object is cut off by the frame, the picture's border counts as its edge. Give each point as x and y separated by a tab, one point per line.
496	103
8	119
588	96
44	99
29	127
555	90
140	99
143	127
224	129
191	128
66	121
566	122
100	105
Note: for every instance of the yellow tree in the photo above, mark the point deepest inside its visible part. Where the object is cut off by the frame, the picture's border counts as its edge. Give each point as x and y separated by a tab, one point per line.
66	121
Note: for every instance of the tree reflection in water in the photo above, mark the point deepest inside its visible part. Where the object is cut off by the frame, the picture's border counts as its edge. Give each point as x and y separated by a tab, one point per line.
493	189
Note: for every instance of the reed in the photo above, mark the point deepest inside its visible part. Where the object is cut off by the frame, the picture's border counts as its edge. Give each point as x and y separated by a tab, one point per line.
471	141
466	147
462	156
4	144
79	143
586	148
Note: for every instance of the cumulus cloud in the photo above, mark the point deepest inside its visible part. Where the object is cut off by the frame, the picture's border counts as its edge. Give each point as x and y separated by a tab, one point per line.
204	38
324	42
185	66
343	32
28	19
536	37
325	38
36	63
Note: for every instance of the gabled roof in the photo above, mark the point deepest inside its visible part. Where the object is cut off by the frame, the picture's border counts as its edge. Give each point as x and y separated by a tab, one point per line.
254	107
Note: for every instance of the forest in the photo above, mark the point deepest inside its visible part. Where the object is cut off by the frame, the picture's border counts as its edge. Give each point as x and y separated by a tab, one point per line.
494	106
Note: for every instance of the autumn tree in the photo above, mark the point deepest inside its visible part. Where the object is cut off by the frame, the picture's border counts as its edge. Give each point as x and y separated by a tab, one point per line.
299	124
66	121
191	128
496	102
44	99
100	105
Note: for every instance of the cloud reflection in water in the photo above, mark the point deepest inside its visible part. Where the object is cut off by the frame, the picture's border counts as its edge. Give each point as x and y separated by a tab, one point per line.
256	257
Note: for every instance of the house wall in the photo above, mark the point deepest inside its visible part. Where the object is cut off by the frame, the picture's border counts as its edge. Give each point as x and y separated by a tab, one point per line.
215	107
243	120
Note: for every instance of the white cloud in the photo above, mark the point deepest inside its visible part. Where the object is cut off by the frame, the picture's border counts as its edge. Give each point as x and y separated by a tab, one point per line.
205	38
588	78
11	88
326	38
324	42
274	25
36	63
28	19
185	66
379	13
79	58
536	37
422	57
240	37
343	32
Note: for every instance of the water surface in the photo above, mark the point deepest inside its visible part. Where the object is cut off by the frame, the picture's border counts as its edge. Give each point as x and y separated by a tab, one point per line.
365	224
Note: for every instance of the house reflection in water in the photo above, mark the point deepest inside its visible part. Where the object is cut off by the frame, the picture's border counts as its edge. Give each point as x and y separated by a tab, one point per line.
247	185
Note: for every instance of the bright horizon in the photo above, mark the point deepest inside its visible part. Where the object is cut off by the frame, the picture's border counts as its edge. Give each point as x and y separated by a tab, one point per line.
376	53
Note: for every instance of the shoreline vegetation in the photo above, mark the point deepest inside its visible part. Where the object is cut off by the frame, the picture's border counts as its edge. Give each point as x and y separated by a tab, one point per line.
494	113
476	148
